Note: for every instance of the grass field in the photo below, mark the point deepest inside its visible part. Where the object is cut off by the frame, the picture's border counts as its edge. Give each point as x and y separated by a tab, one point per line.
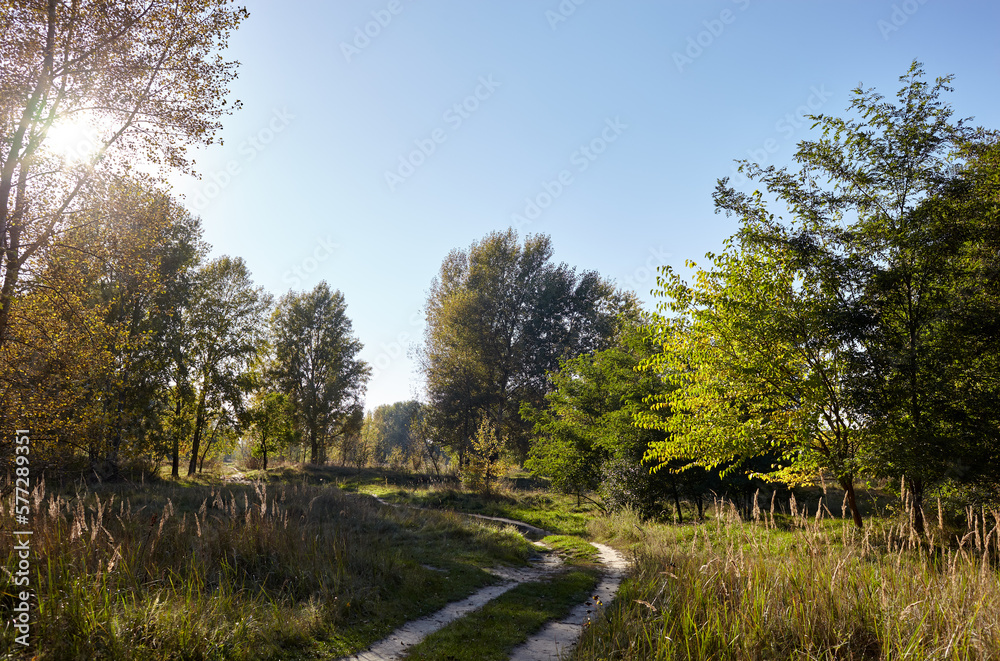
302	565
803	588
239	571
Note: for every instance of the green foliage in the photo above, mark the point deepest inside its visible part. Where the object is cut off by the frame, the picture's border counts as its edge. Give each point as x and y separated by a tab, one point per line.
393	430
500	316
830	340
487	461
225	324
316	364
272	421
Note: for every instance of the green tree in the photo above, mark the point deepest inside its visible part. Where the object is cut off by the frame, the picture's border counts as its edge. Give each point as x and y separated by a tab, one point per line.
585	437
833	338
754	367
500	317
316	364
226	320
487	459
389	427
272	421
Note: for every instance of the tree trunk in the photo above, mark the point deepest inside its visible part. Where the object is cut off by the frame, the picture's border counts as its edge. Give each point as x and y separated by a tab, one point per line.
175	463
199	423
313	446
847	484
917	491
677	504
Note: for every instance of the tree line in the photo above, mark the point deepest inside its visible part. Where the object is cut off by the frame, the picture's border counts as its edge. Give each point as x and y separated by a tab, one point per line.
854	338
121	340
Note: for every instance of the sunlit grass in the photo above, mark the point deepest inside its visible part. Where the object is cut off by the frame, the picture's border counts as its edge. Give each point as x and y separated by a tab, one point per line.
819	590
249	571
490	633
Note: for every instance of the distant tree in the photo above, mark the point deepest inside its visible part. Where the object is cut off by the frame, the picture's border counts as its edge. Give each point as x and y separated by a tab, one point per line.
389	426
227	321
271	419
585	437
500	317
316	364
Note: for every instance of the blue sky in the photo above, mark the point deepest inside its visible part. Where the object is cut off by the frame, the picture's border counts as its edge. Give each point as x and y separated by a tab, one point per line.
377	135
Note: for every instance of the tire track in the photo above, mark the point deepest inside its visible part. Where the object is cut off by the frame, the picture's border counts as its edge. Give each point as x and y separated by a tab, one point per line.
553	639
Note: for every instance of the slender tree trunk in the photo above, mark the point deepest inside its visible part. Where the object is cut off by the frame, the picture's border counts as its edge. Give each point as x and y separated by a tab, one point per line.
917	491
677	504
199	423
847	484
208	446
313	445
175	463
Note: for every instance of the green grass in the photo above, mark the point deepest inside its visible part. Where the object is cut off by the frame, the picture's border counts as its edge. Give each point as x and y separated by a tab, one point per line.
549	511
490	633
210	571
573	549
734	590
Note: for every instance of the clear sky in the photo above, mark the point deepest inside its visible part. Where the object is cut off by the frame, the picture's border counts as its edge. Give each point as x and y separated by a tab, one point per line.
377	135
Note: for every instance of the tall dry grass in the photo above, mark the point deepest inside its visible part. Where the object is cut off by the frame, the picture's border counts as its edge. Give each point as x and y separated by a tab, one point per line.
803	587
234	572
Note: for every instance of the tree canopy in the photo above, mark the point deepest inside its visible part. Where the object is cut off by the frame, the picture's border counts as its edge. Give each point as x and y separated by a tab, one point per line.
500	317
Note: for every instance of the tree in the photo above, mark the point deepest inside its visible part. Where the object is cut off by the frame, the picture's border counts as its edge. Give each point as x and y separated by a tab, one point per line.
487	462
500	317
390	428
585	437
87	357
317	365
755	369
834	338
226	321
271	417
144	79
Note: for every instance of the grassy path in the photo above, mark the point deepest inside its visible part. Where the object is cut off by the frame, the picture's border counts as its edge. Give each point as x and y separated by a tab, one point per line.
516	619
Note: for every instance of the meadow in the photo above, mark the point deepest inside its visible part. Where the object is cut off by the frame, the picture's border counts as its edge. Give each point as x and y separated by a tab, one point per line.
302	564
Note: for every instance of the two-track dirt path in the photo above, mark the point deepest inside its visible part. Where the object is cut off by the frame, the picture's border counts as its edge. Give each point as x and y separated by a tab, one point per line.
554	639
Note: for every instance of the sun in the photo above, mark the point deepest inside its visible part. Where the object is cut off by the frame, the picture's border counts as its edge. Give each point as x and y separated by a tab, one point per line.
76	139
